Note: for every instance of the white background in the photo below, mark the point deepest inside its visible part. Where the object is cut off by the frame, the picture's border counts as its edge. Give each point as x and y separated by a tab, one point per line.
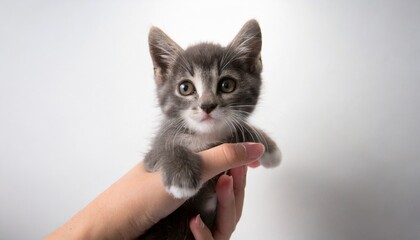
341	98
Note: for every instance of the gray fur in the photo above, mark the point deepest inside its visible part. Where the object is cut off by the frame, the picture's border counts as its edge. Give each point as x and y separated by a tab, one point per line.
174	150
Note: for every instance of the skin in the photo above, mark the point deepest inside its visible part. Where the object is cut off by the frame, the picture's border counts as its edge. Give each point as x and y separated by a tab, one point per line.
138	200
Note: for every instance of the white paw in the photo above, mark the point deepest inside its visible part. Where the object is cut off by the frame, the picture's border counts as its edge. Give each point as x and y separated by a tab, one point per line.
270	160
179	192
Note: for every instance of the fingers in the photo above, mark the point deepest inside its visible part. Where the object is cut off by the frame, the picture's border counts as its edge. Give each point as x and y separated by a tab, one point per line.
226	208
226	216
230	189
227	156
199	229
239	182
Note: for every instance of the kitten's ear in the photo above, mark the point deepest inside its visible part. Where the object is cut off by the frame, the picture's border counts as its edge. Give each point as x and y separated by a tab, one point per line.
164	52
247	45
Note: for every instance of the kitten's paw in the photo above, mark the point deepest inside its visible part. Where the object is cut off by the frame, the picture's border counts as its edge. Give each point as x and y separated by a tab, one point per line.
183	183
181	192
271	159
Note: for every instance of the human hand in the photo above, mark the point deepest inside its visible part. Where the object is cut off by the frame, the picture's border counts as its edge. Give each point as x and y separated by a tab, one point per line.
230	192
138	200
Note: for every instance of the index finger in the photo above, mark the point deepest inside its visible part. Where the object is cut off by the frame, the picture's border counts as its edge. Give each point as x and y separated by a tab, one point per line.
226	156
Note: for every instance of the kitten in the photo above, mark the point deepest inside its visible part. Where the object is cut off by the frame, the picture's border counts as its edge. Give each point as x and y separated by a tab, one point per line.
206	93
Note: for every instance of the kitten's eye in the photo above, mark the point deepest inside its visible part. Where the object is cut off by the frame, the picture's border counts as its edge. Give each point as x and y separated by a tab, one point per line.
186	88
227	85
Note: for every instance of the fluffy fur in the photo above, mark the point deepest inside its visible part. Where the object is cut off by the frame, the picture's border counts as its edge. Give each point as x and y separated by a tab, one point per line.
206	93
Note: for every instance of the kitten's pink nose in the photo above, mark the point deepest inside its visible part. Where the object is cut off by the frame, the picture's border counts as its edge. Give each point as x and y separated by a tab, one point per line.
208	107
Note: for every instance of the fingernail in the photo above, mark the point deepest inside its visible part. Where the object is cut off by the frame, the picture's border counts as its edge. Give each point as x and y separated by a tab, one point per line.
199	221
254	151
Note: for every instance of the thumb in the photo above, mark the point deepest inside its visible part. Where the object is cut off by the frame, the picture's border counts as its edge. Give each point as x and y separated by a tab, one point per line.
227	156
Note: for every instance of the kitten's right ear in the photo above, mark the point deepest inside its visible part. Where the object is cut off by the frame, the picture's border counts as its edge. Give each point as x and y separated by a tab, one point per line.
247	45
164	52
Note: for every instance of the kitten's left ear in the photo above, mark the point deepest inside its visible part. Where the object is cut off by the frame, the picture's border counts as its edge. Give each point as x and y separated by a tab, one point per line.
247	45
164	52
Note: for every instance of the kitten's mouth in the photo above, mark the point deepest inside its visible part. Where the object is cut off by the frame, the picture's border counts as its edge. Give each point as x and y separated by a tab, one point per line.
203	122
206	118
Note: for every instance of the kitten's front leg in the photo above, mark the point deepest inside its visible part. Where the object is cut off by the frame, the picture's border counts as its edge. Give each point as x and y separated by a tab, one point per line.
180	169
272	155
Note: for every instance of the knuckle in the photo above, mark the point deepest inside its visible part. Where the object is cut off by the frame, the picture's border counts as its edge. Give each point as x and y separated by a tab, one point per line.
230	153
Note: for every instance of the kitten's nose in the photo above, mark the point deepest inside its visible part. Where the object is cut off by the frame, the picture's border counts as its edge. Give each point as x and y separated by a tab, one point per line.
208	107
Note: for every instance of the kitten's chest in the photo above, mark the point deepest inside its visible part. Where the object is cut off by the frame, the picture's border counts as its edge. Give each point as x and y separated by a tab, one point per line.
200	142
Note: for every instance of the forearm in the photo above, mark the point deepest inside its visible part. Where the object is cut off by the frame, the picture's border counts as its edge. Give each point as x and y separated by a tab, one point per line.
138	200
121	214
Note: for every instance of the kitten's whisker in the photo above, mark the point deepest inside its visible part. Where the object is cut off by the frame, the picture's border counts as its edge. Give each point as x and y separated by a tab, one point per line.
241	113
260	137
251	130
238	119
244	125
244	114
239	128
242	105
235	126
231	128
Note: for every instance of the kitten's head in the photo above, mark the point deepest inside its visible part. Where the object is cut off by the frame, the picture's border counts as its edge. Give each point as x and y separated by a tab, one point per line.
208	87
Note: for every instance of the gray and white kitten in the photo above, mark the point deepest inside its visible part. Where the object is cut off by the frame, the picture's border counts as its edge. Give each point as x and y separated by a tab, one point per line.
206	93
